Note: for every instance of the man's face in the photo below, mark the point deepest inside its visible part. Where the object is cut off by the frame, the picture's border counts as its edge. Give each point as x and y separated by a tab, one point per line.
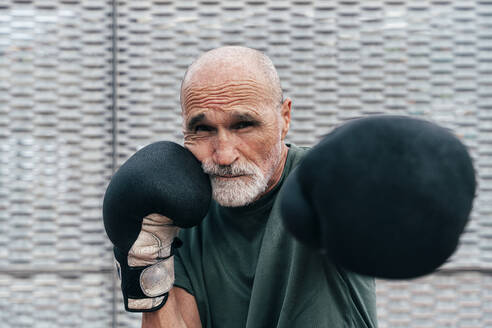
237	133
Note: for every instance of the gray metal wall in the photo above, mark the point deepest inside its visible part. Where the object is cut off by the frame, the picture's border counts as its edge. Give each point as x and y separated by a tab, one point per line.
68	118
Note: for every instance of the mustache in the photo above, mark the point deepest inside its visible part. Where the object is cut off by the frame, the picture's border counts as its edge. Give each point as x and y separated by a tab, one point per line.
235	169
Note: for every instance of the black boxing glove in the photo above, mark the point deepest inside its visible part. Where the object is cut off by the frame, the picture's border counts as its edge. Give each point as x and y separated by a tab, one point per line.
385	196
160	188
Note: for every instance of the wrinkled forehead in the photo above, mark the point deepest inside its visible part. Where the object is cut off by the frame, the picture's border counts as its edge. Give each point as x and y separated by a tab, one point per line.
225	78
239	94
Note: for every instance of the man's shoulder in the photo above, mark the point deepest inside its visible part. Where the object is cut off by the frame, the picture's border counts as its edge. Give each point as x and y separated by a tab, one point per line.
295	156
298	149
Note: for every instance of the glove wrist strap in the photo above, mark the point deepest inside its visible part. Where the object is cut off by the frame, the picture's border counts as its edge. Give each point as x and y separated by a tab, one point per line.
146	288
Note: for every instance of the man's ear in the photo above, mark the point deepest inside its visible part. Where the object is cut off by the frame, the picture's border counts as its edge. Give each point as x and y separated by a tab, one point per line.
285	116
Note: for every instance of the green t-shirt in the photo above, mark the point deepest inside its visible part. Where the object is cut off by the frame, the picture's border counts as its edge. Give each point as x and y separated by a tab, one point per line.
245	270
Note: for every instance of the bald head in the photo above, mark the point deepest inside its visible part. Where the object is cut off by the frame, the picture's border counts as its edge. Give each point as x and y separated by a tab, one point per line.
233	64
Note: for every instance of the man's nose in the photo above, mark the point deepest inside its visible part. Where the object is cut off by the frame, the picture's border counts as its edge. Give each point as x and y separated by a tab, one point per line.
225	152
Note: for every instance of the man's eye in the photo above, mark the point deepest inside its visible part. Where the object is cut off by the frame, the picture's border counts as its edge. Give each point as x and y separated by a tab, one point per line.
205	128
242	125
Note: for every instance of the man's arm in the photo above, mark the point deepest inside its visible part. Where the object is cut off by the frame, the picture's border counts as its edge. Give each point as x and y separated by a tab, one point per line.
180	311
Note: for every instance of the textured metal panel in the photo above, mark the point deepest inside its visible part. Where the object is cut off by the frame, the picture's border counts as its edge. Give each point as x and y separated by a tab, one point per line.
55	160
55	300
438	300
55	136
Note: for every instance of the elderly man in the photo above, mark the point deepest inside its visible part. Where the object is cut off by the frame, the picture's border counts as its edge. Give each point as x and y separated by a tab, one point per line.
381	196
239	267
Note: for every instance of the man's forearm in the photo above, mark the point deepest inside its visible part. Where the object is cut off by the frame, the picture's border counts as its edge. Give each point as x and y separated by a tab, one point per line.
180	311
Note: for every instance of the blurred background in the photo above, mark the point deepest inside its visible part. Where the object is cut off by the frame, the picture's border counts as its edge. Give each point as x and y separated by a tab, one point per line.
85	83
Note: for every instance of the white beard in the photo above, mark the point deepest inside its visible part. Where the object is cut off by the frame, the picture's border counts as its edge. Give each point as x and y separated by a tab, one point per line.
242	190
